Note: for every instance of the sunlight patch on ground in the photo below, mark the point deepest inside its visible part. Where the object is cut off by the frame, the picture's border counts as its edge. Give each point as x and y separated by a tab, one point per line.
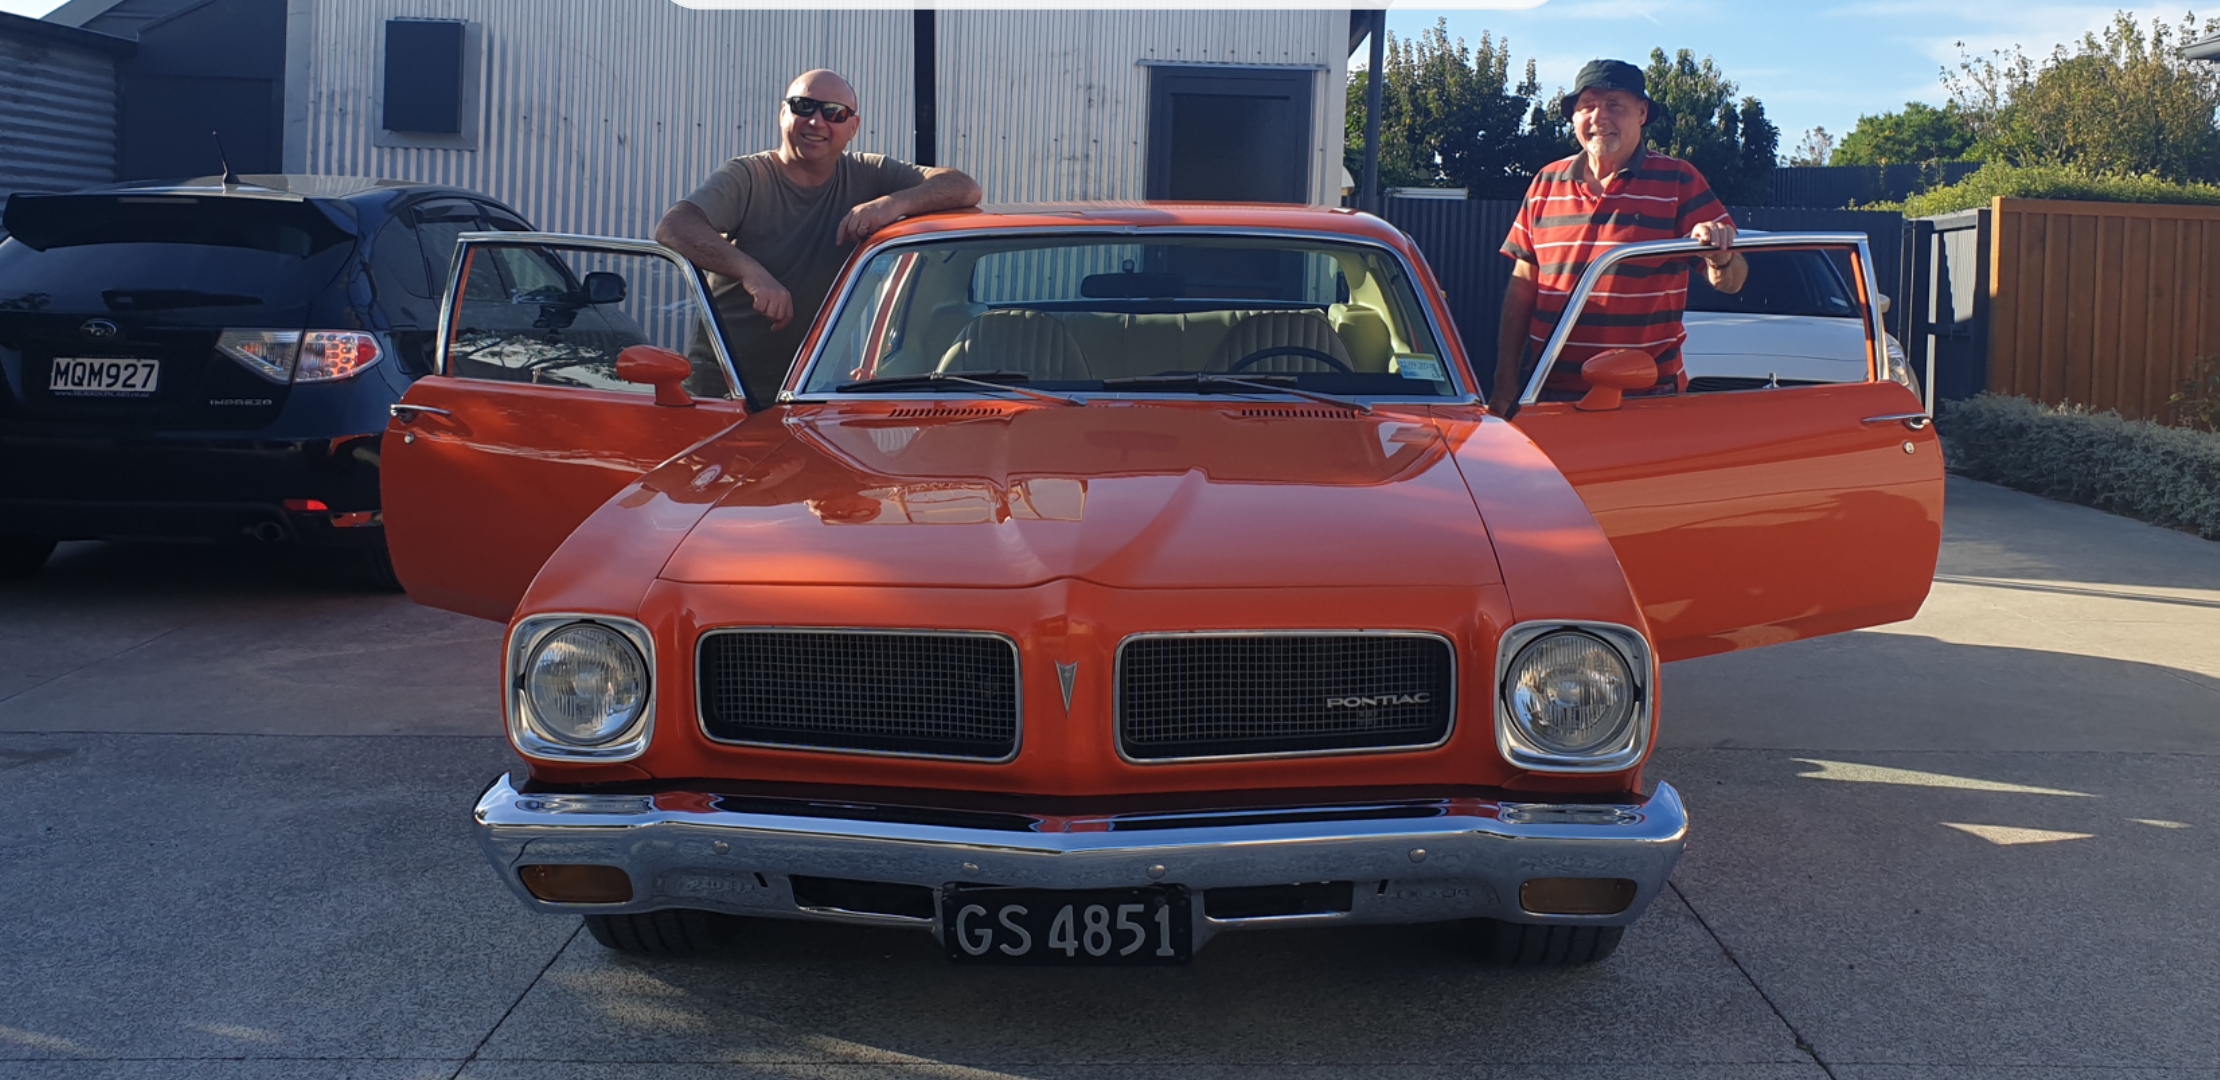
2160	823
36	1041
1854	773
2007	836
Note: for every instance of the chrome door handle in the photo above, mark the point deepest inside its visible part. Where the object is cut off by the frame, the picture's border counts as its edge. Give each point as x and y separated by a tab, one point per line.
406	412
1912	420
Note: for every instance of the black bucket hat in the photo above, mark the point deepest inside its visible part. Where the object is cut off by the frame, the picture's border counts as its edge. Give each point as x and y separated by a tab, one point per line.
1609	75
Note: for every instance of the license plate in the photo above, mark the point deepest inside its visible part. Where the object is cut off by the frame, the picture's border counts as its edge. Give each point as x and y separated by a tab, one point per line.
76	376
1091	928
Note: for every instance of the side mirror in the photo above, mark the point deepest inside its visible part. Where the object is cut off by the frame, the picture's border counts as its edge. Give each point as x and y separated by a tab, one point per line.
1610	374
1881	300
603	287
662	369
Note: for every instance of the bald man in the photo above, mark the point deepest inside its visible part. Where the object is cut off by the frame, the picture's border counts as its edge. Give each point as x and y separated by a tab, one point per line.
771	229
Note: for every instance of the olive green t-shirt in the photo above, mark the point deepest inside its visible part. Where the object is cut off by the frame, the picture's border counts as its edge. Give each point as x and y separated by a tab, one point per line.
789	229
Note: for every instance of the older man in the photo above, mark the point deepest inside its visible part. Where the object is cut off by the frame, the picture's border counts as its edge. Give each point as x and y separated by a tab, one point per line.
1614	191
772	229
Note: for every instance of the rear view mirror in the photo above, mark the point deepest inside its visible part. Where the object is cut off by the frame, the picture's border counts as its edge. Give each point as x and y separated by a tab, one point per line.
604	287
662	369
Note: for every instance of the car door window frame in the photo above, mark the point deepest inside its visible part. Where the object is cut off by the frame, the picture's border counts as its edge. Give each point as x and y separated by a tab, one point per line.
1609	258
699	289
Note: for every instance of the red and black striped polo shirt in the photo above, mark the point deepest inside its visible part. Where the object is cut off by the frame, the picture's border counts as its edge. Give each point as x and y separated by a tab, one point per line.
1562	226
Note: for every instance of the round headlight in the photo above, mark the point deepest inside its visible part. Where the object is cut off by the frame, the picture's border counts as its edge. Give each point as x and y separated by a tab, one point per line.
586	684
1570	693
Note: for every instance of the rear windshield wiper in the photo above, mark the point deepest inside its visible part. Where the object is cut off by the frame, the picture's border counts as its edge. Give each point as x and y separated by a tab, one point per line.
1202	383
931	380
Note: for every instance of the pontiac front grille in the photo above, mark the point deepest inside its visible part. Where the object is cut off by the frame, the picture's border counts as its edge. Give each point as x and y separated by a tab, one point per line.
903	692
1218	695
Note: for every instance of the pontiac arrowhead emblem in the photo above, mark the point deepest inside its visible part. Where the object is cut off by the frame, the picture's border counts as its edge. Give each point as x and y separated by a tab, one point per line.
1065	674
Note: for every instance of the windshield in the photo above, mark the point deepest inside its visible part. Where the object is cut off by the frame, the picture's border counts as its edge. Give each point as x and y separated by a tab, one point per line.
1065	313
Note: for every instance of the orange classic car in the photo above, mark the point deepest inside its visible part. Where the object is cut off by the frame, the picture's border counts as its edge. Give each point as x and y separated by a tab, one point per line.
1104	578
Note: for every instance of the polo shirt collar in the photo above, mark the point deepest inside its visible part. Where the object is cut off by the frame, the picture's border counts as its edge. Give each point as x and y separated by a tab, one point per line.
1580	164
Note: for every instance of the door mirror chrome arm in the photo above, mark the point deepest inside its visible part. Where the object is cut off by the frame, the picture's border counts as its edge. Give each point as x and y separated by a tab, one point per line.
1609	258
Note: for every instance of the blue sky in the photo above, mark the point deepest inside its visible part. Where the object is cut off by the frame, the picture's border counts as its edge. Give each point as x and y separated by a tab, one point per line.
1814	63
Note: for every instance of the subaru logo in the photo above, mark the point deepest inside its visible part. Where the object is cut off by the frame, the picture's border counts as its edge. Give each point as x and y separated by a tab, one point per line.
98	328
1374	701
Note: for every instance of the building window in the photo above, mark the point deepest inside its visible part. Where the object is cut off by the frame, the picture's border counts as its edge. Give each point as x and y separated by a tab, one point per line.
428	90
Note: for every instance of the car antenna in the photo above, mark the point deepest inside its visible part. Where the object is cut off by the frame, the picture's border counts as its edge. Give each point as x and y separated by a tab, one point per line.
231	179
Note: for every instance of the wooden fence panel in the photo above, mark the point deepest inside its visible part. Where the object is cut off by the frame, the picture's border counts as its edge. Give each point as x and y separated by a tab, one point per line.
2107	305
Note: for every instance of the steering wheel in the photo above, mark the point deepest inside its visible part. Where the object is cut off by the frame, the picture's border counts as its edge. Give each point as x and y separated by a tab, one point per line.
1319	355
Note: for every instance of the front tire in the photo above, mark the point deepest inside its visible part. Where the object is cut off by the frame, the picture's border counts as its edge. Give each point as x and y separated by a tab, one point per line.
22	556
376	569
671	932
1527	945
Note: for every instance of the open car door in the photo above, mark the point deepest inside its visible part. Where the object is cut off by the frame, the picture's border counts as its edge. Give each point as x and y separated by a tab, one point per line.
1750	517
527	425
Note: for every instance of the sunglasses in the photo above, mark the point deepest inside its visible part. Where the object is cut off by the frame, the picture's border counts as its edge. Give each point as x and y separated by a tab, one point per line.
833	111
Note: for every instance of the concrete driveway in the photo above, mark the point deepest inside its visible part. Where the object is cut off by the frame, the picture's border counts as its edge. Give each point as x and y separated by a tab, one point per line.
1984	843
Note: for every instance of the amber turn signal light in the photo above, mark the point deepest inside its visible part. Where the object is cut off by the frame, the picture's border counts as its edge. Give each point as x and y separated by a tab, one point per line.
581	884
1576	895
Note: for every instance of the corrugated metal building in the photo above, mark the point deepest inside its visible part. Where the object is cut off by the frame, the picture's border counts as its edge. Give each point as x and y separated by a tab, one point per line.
595	115
58	113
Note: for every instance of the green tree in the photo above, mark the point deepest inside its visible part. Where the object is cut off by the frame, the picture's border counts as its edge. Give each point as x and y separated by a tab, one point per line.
1450	116
1919	133
1730	142
2123	102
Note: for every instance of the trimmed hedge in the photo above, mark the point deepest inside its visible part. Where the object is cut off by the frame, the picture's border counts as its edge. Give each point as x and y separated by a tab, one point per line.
2164	475
2048	182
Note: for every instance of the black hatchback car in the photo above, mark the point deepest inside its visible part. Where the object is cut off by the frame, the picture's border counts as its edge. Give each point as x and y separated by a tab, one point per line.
199	360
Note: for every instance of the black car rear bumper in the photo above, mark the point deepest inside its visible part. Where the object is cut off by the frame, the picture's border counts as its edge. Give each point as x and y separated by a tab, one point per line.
315	491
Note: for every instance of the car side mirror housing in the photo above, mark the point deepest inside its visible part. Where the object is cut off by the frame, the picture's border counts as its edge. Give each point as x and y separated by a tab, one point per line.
603	287
1610	374
1881	300
662	369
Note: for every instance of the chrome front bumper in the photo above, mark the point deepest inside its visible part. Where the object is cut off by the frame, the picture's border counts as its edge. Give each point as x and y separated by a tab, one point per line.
1420	860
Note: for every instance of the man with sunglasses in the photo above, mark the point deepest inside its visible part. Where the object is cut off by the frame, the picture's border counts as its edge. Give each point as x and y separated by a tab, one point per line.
772	229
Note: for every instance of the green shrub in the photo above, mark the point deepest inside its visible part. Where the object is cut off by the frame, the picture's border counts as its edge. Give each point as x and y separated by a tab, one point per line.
2048	182
2164	475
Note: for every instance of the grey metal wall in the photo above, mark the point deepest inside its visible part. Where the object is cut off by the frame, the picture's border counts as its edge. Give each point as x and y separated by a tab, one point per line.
596	114
57	116
1829	186
1051	105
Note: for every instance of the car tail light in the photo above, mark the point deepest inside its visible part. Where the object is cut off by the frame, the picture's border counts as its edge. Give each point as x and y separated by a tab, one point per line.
291	356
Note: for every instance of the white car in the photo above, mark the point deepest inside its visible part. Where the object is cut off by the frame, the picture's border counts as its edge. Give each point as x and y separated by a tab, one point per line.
1794	323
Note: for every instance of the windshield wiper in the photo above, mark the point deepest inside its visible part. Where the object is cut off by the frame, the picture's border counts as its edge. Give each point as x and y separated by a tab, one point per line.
1201	382
992	380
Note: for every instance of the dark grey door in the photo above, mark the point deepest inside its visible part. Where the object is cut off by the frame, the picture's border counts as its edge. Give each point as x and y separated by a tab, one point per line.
1223	133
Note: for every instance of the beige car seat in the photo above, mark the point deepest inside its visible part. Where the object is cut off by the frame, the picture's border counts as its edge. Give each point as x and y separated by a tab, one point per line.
1274	329
1017	339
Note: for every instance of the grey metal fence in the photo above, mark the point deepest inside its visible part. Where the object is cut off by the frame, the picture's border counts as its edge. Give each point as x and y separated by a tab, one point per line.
1843	185
1944	320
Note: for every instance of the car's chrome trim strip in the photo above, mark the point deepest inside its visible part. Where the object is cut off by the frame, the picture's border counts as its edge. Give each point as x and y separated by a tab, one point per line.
1117	698
1017	659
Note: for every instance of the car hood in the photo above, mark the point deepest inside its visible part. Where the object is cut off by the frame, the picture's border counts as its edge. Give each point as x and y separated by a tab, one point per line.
1128	495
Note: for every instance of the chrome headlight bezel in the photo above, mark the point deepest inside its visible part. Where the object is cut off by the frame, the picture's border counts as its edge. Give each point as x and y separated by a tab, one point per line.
1617	755
525	731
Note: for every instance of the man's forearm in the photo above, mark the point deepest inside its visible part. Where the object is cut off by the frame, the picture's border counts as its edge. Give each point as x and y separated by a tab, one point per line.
943	189
686	230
